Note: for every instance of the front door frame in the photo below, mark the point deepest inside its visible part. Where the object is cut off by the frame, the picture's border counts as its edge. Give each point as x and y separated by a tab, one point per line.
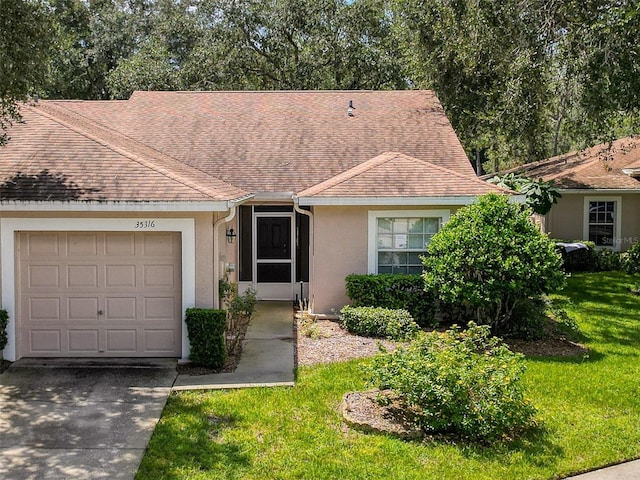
274	291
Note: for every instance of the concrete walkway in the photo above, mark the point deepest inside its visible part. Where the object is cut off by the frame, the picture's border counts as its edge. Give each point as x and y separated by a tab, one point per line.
624	471
267	355
63	419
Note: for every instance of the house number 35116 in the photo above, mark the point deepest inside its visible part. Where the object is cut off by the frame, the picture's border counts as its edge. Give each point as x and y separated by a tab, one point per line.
140	224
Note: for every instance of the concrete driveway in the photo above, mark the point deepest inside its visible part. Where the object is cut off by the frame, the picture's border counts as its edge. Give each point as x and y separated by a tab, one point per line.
61	419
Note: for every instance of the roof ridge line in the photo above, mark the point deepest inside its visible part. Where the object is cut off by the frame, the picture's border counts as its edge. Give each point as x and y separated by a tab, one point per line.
381	159
348	174
70	119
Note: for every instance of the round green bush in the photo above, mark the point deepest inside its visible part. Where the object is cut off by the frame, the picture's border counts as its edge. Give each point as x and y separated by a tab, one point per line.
458	382
488	260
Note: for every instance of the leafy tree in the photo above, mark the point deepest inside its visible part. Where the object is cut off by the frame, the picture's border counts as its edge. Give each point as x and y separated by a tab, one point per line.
541	195
24	48
257	44
492	261
487	62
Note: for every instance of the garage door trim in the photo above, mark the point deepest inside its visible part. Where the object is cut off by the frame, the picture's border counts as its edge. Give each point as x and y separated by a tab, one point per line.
9	227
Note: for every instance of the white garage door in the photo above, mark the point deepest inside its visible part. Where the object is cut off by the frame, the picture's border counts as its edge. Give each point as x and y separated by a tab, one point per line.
99	294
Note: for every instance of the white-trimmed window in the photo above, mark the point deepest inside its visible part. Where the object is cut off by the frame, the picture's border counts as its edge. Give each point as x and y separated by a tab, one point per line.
397	238
602	221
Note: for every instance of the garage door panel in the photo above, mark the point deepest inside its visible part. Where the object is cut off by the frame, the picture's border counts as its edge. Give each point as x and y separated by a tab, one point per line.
159	308
45	341
82	244
160	340
120	275
82	276
43	276
44	309
41	245
119	308
83	308
121	340
159	245
159	276
99	294
83	340
120	244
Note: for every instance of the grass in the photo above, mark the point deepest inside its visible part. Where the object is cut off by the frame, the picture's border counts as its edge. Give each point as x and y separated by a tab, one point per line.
589	410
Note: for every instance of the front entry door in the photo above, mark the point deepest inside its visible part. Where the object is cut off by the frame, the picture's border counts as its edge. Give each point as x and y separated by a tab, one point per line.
274	256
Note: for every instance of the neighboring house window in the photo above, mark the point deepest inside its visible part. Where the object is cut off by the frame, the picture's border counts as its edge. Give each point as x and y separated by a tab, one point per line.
602	221
397	239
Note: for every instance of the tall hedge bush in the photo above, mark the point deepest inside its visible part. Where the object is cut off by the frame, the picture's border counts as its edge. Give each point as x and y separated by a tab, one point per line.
206	330
394	292
491	260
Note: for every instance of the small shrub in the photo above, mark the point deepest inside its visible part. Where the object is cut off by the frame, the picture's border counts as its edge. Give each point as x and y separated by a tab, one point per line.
378	322
206	330
458	382
240	310
608	261
4	321
308	326
395	292
631	261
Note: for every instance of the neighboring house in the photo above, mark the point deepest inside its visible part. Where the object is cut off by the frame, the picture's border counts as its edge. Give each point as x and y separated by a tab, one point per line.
116	216
600	190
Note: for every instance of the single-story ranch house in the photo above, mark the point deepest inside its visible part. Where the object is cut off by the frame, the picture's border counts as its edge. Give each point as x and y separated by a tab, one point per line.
116	216
600	189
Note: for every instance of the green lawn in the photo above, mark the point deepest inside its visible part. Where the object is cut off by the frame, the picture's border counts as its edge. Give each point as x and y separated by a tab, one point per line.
589	409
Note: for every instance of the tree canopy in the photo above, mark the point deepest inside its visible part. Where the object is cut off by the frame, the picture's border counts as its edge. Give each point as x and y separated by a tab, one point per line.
520	80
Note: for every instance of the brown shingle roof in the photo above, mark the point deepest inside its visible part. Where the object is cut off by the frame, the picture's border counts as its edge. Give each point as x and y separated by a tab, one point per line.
46	159
599	167
378	177
218	146
282	141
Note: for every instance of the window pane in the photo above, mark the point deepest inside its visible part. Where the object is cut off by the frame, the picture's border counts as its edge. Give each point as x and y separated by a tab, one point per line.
385	258
399	258
414	270
385	241
382	269
416	225
601	235
400	241
414	258
399	270
431	225
416	241
384	225
400	225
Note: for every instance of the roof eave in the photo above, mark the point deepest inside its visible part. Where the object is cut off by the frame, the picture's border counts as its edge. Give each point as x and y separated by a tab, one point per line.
395	201
113	206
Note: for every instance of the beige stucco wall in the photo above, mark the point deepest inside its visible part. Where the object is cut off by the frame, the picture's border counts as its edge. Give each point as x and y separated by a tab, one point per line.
566	219
340	247
204	271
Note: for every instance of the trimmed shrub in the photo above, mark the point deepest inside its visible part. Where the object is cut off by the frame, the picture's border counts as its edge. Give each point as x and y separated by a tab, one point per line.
395	292
608	261
378	322
489	260
631	261
458	382
4	321
206	329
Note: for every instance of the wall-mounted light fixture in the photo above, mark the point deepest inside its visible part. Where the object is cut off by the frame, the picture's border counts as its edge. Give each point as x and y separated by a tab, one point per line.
231	235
